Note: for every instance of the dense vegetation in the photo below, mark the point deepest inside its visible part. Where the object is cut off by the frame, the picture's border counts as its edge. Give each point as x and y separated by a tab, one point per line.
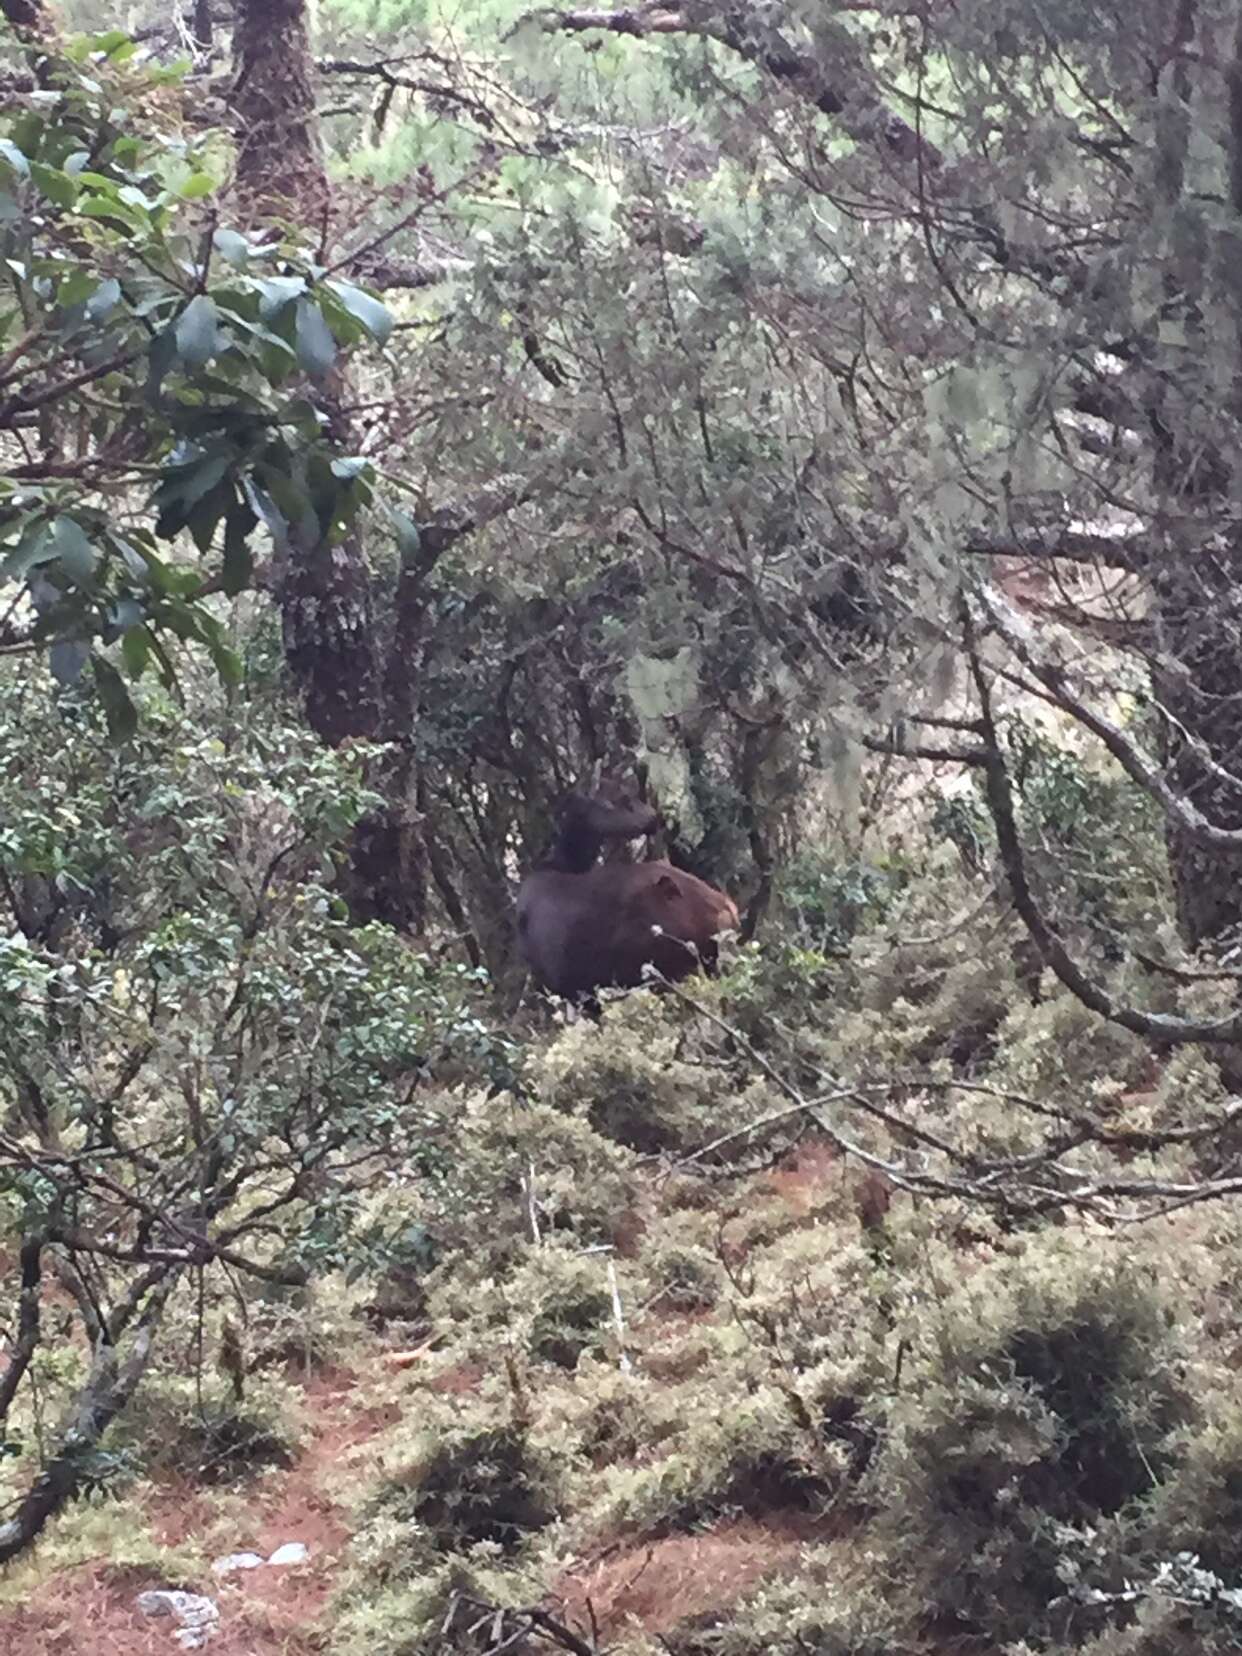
826	418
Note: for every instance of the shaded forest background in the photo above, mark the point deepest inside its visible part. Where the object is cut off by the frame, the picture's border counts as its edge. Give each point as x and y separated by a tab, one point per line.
823	418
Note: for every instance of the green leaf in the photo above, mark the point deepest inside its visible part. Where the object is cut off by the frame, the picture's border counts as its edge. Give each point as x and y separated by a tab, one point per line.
106	297
10	153
198	332
161	358
293	503
124	614
35	547
136	650
109	42
109	213
203	521
197	185
118	709
227	662
77	287
373	314
204	477
78	558
275	292
136	565
315	344
177	70
57	186
267	512
409	541
66	658
238	560
232	247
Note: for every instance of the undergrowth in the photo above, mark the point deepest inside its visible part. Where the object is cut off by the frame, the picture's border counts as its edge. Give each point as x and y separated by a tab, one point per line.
656	1311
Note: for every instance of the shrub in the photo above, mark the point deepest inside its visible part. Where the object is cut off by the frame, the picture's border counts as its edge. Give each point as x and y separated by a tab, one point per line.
570	1320
583	1182
814	1611
1197	1508
215	1441
555	1305
750	1456
1046	1394
620	1417
629	1082
827	902
420	1617
1059	1049
685	1278
470	1484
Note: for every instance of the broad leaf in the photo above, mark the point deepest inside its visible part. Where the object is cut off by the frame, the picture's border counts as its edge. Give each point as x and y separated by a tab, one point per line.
238	568
66	658
78	558
198	332
118	709
374	316
315	344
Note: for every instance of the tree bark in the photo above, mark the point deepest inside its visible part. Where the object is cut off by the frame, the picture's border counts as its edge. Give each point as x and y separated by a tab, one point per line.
324	591
108	1388
27	16
1198	618
280	167
201	25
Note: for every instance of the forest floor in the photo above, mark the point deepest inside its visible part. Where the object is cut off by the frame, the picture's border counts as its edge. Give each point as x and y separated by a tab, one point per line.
622	1584
271	1611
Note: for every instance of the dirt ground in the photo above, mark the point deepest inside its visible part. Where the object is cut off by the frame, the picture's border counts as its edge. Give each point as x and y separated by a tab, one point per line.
90	1610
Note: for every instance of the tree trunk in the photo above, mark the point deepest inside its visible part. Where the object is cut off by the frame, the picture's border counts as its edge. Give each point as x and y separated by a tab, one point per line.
280	169
113	1379
324	591
201	25
27	16
1197	585
1198	622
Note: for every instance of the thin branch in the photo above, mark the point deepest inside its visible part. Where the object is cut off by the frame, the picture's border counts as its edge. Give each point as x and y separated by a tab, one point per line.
1160	1027
108	1388
23	1348
1137	766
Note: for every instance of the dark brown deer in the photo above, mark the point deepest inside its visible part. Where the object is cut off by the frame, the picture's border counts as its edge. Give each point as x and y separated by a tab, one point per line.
584	926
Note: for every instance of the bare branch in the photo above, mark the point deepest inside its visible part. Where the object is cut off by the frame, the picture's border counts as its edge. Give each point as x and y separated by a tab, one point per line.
23	1347
107	1390
1156	1026
1137	766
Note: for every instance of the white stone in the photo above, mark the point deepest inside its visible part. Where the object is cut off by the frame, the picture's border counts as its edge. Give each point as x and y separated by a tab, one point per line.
198	1616
292	1552
238	1561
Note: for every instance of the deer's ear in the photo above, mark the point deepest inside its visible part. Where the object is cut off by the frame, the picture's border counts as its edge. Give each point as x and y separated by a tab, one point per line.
668	885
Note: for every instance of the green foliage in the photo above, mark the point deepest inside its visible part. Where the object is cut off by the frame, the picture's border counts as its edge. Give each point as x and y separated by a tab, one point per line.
689	1278
819	1609
767	377
168	352
570	1319
830	902
199	1056
1094	839
759	1460
1046	1396
475	1484
190	1434
638	1081
420	1615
